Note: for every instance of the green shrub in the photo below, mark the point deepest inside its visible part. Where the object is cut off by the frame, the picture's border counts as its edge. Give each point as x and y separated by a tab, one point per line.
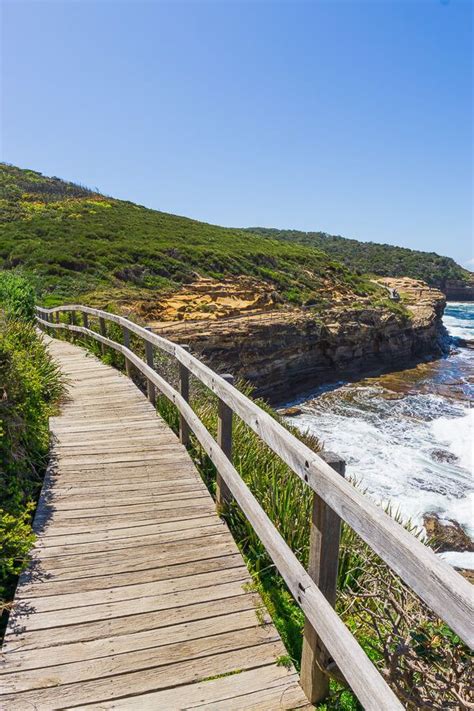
30	385
374	258
17	296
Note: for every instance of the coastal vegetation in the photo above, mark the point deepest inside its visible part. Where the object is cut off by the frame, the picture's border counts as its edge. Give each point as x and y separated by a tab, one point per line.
76	244
374	258
30	386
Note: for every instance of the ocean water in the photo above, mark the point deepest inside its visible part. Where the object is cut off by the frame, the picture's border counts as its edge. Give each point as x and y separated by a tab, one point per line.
408	436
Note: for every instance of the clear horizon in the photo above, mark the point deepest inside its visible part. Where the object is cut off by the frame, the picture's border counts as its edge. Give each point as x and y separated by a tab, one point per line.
352	118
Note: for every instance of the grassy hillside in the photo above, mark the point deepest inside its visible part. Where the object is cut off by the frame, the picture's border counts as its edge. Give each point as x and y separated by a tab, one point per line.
373	258
78	244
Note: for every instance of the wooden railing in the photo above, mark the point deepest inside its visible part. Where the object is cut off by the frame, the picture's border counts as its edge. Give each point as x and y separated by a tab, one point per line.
326	638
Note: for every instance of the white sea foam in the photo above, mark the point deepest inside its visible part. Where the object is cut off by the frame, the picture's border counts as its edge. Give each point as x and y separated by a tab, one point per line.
457	434
457	329
459	560
459	320
392	460
413	451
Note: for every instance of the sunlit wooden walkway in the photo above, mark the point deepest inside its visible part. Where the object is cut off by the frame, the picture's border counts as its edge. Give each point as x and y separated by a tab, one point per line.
137	596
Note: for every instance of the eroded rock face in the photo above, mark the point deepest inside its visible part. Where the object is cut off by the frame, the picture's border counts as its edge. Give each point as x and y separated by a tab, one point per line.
457	290
283	352
424	303
447	535
209	300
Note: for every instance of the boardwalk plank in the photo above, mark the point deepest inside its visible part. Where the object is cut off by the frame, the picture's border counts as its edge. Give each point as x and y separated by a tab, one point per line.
151	679
136	595
261	689
103	582
121	644
133	591
135	660
110	535
25	640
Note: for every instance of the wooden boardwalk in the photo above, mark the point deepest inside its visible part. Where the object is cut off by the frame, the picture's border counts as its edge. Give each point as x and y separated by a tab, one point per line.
137	596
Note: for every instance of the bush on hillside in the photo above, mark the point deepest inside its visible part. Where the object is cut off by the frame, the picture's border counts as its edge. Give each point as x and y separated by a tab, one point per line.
374	258
17	296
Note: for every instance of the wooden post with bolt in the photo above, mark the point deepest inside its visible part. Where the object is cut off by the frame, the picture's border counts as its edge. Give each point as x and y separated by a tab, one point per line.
322	567
126	343
184	430
72	321
103	332
224	440
149	355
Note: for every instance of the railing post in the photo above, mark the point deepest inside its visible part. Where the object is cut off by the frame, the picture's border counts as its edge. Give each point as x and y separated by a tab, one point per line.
126	343
184	430
72	321
224	440
103	332
85	320
58	316
322	567
150	388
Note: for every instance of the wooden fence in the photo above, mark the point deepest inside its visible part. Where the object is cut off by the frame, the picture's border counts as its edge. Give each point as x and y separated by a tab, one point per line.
326	639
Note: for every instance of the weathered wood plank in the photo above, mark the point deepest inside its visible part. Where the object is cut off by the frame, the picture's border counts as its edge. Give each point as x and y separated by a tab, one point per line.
80	503
161	486
109	523
139	682
111	535
148	639
72	551
202	504
132	558
160	470
26	639
50	586
134	591
135	660
261	689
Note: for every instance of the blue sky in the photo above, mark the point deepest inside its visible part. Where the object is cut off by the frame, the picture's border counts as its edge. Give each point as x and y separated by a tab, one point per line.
350	117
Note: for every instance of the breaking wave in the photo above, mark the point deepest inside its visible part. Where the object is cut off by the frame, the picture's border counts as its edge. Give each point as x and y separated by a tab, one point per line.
408	437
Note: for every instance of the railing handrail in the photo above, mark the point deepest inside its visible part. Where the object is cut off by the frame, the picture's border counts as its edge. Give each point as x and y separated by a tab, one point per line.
444	590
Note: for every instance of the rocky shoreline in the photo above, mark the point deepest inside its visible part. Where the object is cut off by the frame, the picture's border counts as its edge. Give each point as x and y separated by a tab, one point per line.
285	352
282	352
447	536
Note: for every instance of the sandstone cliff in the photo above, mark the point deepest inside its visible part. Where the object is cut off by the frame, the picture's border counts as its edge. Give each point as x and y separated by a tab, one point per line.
285	351
457	290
